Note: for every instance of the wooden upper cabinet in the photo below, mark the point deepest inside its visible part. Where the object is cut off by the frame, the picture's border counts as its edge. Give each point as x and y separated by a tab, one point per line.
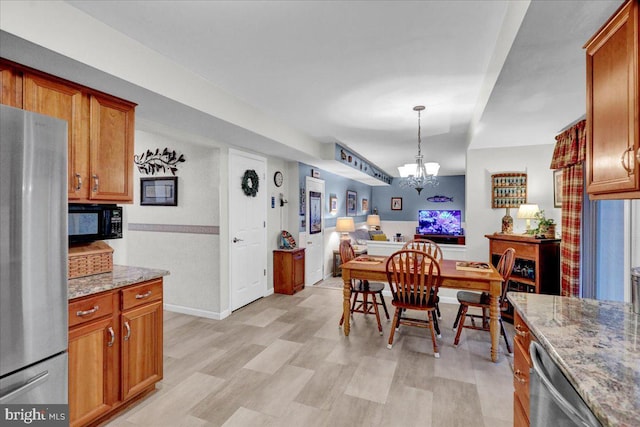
100	130
613	107
67	103
111	148
10	86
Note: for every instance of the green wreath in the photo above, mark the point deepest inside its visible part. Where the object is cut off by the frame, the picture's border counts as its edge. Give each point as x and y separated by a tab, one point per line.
250	183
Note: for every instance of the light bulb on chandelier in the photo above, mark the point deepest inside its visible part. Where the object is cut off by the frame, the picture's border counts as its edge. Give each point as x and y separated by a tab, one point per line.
418	175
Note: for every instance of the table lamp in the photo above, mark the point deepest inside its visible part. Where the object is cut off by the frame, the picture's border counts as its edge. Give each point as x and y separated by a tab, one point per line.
345	225
528	212
373	221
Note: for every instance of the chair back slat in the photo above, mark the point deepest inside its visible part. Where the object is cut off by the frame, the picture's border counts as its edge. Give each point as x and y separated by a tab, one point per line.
505	267
425	245
412	276
346	251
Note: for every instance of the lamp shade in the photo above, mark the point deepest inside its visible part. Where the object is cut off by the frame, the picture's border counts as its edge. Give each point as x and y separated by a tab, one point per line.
345	225
373	220
407	169
527	211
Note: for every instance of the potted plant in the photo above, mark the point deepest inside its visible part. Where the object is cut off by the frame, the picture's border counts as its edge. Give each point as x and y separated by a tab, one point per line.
546	226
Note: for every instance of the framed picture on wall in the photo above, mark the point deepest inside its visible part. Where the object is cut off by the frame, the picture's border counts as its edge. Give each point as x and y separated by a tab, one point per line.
396	203
159	191
365	206
557	188
352	203
315	221
333	204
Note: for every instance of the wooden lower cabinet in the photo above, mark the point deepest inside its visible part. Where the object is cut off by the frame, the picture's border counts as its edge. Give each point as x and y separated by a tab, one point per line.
141	360
115	350
92	367
521	368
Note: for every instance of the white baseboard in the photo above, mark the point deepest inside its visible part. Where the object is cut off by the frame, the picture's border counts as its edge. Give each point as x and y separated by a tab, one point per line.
197	312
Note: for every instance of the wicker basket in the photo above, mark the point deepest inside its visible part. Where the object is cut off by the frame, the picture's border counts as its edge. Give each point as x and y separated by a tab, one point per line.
91	258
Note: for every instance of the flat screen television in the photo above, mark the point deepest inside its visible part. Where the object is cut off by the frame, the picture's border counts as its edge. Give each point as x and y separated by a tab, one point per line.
442	222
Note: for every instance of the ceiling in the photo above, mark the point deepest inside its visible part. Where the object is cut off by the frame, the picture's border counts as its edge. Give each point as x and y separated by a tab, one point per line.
490	73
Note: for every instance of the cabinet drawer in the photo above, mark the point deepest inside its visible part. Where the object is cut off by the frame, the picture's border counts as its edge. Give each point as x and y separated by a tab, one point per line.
90	308
522	250
522	333
142	294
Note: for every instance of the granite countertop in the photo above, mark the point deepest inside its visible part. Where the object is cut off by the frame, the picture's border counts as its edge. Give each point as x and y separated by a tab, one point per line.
596	344
120	276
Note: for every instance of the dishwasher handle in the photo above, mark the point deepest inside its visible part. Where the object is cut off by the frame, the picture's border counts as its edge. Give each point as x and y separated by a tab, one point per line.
552	397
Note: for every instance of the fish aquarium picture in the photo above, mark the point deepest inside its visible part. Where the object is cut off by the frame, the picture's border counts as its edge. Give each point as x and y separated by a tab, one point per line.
443	222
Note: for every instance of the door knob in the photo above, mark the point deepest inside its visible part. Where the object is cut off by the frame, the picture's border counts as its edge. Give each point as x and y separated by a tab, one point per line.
236	240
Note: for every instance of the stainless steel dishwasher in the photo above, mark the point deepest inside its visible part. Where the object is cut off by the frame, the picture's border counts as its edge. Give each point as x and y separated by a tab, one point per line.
553	400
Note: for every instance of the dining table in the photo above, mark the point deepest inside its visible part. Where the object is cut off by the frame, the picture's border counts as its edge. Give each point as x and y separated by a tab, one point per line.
374	268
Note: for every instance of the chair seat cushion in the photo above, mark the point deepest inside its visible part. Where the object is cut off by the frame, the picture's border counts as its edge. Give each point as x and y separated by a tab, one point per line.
474	298
366	286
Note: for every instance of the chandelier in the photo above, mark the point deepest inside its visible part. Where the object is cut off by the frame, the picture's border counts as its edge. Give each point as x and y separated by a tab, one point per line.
418	175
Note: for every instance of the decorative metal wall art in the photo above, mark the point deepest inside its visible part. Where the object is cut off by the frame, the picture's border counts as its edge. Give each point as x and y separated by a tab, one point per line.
150	163
440	199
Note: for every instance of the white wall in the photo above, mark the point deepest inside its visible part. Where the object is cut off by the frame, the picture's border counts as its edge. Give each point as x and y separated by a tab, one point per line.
193	259
481	219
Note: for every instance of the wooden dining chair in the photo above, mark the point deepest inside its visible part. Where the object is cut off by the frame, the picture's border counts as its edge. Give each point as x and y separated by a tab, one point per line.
432	248
363	289
414	278
425	245
481	300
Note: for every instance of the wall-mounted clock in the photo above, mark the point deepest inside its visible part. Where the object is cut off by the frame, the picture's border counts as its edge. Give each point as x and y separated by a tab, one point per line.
278	178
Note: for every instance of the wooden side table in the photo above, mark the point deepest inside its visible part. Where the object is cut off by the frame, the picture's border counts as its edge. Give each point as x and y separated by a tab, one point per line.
337	271
288	270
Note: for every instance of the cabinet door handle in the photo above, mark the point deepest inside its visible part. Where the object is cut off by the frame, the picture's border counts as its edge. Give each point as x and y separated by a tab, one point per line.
521	332
112	337
638	155
95	183
78	182
625	156
519	376
87	312
143	296
128	334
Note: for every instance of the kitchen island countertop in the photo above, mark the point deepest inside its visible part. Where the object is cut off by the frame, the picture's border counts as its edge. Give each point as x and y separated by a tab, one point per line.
596	344
120	276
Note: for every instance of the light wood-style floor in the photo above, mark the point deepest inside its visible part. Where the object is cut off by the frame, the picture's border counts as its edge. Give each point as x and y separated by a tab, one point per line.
283	361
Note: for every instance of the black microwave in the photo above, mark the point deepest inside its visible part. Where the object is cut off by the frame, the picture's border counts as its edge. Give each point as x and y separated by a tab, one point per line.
88	223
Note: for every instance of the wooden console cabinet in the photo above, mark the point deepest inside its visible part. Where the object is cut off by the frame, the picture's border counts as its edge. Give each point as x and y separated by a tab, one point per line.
115	350
537	266
100	130
442	239
288	271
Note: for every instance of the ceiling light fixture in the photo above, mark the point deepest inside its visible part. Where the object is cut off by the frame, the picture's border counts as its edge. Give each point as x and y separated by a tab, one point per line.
419	174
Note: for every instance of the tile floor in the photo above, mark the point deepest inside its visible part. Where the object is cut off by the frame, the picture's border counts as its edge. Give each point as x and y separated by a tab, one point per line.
283	361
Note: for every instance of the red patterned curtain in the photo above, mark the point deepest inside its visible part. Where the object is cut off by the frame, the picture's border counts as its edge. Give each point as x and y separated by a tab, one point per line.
569	156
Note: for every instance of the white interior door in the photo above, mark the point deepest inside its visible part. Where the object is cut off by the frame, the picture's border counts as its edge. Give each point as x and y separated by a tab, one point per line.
314	253
247	231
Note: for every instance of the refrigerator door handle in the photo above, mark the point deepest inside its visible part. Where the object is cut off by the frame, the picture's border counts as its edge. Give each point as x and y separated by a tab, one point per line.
28	385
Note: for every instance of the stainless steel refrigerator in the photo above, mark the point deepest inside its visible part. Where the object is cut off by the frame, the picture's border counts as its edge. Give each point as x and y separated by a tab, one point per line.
33	258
